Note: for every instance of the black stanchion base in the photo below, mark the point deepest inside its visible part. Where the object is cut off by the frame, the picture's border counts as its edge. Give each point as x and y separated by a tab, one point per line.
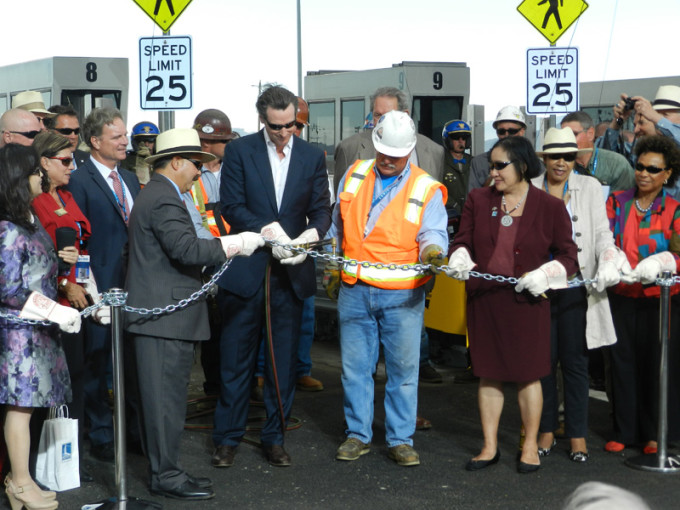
654	463
129	504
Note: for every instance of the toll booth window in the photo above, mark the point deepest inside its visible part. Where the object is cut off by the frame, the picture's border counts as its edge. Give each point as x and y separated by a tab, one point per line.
431	113
352	118
321	130
84	101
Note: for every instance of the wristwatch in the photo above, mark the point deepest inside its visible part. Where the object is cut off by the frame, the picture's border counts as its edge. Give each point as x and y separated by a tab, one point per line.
62	283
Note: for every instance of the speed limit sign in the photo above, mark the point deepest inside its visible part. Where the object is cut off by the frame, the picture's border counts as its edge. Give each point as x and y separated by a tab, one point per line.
552	80
165	73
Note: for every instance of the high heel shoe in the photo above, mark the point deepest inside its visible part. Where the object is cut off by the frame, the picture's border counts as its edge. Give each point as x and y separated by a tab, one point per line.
45	494
19	497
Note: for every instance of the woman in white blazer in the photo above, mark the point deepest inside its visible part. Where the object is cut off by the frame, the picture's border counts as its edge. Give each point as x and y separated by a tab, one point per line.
580	316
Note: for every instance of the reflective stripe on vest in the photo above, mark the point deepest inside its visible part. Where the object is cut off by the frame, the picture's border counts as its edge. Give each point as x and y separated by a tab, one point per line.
416	201
207	210
357	175
384	274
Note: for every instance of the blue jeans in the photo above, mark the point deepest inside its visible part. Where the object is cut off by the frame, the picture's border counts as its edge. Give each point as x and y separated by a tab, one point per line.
369	316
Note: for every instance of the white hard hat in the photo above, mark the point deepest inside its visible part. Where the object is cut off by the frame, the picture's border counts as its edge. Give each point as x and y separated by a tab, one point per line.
510	114
394	134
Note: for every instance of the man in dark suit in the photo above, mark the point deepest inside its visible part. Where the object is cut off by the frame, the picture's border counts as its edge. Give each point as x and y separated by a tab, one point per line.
278	184
66	123
105	193
165	262
428	154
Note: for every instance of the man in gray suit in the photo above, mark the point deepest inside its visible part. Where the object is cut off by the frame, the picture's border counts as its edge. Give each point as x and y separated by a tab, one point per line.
428	155
165	261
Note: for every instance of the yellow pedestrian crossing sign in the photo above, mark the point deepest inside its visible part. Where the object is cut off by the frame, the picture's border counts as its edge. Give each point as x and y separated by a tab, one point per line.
552	17
163	12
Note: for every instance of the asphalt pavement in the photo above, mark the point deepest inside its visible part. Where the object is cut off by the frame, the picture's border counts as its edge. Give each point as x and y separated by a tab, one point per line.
317	481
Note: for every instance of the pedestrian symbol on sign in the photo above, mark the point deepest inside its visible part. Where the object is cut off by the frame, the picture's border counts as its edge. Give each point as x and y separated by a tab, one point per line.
553	10
540	14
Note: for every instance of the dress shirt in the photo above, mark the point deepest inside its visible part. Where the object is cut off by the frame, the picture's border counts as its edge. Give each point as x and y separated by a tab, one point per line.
279	166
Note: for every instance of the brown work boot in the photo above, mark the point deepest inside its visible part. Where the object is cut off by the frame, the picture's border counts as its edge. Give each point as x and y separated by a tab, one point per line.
404	455
308	383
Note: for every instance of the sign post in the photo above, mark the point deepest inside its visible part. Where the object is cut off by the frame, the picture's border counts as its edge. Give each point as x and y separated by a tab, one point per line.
552	81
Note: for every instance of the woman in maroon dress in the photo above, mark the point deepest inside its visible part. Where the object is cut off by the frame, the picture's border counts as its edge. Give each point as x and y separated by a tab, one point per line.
514	230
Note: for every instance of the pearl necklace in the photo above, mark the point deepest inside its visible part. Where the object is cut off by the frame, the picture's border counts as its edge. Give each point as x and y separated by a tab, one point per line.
506	220
639	207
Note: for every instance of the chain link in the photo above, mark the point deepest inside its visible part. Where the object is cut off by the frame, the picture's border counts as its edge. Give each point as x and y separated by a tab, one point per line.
120	298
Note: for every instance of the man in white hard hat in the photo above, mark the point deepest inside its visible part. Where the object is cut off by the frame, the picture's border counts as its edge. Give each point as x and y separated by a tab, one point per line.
509	121
389	211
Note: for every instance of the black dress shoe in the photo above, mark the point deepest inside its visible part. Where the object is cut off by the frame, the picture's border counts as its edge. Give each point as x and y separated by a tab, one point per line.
188	491
524	468
276	455
200	481
223	456
104	452
476	465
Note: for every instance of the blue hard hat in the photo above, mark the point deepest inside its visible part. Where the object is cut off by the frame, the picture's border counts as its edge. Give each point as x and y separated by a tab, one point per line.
456	127
145	129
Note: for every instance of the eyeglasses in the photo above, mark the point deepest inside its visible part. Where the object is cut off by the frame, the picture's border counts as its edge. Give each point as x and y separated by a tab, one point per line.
66	161
197	164
27	134
568	157
458	137
279	127
509	131
639	167
299	125
499	165
576	133
68	131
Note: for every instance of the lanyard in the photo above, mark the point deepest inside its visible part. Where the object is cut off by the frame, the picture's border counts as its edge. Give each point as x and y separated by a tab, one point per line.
564	191
80	230
595	161
377	200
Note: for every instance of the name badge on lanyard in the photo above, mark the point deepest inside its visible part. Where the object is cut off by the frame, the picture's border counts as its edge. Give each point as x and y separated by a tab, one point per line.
83	268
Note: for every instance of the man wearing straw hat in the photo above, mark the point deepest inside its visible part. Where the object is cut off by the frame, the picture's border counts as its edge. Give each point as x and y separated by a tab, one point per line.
165	261
32	101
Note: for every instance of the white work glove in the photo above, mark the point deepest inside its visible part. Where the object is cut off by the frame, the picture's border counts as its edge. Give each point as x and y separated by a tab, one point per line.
39	307
308	236
243	244
612	267
101	315
460	264
649	269
551	275
274	232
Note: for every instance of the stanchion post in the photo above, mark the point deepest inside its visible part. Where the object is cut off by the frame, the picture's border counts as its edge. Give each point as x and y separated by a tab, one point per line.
660	462
121	501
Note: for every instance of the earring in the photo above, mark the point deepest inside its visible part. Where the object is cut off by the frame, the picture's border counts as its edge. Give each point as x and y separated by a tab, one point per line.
665	181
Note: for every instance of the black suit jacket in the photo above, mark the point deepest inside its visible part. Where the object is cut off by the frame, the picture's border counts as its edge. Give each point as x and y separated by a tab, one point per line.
166	258
248	202
109	232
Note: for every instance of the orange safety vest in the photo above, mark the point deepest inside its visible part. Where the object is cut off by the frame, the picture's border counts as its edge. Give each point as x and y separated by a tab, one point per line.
393	238
217	226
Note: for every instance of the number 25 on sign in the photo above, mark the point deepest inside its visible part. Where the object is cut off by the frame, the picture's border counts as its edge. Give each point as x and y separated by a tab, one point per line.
552	81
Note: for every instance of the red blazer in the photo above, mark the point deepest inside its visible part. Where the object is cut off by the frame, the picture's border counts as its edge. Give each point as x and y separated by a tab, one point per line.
544	234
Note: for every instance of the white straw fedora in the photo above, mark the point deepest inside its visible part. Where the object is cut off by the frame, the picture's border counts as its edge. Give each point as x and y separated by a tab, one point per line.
32	101
180	142
667	98
560	141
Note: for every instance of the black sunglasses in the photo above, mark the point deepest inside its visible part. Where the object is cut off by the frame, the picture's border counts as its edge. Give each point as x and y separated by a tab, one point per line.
568	156
27	134
509	131
499	165
196	163
279	127
68	131
639	167
458	137
299	125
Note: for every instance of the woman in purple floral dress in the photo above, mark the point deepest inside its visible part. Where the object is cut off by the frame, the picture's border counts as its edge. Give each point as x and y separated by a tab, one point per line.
33	371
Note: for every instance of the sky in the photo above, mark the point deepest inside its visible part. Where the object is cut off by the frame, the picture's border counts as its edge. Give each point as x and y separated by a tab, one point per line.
239	44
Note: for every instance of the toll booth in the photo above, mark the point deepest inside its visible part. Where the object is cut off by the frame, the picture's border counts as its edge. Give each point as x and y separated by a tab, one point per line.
82	82
339	101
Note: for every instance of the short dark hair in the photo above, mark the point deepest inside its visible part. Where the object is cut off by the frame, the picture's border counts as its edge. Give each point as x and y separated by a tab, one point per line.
664	146
17	163
59	109
96	120
522	154
277	98
582	118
